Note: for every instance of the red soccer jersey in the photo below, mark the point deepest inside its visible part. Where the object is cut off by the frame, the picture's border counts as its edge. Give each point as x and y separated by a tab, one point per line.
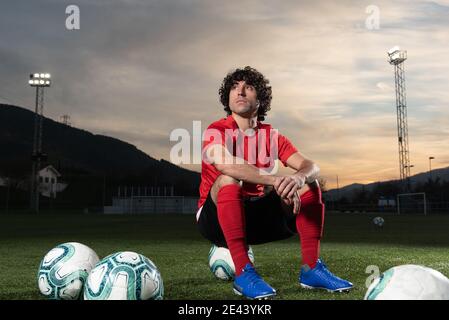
260	149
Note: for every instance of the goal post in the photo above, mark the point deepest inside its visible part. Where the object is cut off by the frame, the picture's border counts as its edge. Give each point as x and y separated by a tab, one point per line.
412	203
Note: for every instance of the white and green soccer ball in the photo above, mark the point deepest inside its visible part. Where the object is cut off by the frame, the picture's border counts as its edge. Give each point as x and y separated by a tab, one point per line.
409	282
221	264
379	221
124	275
64	270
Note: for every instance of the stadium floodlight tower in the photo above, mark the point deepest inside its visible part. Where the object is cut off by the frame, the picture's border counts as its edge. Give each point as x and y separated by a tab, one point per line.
396	57
40	81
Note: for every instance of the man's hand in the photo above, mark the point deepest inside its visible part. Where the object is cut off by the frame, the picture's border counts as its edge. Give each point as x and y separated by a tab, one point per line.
296	201
287	186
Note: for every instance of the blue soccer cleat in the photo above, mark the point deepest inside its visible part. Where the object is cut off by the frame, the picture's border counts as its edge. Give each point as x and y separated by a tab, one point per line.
251	285
321	278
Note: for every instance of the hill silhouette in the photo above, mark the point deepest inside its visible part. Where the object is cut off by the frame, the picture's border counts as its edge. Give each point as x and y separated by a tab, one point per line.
83	157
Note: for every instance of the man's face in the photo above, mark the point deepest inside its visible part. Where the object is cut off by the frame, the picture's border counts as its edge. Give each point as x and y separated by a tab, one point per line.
243	99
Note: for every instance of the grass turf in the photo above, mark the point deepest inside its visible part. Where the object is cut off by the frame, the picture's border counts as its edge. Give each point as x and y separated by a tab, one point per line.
351	243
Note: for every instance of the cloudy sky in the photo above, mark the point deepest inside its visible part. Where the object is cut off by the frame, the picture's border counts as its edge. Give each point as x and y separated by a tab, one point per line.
138	69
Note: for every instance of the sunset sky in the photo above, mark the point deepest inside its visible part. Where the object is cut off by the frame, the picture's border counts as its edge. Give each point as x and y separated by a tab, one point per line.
137	69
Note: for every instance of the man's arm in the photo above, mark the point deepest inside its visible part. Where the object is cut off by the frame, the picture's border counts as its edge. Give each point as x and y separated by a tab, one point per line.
240	169
306	172
237	168
304	167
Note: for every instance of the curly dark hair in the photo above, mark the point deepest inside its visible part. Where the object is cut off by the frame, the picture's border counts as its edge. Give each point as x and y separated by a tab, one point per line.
252	77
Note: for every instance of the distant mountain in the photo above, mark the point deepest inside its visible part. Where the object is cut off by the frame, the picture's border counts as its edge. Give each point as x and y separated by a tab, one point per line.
78	152
349	190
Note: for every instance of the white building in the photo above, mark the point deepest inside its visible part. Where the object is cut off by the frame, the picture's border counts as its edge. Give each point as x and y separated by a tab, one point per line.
48	182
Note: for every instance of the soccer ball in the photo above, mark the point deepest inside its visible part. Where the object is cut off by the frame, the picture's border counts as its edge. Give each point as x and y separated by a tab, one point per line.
64	270
124	276
378	221
221	264
409	282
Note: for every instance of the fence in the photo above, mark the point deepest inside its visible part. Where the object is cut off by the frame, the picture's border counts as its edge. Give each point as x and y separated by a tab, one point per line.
152	204
441	207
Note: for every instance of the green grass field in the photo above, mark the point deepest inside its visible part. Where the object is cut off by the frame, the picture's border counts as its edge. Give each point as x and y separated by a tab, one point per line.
350	244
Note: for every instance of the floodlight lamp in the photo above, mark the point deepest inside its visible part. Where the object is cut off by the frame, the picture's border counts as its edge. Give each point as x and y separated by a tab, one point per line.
393	50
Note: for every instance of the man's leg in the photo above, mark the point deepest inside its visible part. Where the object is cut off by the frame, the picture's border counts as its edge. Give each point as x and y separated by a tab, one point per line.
226	193
309	224
227	196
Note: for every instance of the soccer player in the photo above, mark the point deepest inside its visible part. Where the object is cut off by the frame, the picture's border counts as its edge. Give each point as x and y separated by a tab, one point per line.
244	201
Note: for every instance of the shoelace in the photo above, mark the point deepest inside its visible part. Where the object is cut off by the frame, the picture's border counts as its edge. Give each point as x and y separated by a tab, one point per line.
252	275
326	271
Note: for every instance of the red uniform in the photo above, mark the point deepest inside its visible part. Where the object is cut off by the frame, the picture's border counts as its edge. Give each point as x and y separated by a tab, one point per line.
236	220
258	149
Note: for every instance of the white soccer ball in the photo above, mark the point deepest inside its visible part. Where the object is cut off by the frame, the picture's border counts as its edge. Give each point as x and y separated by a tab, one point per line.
124	276
64	270
221	264
409	282
379	221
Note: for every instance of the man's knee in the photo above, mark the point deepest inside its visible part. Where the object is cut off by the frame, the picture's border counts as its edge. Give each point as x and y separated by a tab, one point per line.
311	193
222	180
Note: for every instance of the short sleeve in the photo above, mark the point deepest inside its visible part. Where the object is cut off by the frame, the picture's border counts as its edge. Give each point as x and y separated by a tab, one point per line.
286	149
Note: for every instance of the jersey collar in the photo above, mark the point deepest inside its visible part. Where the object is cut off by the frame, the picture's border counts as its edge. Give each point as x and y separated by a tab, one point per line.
233	124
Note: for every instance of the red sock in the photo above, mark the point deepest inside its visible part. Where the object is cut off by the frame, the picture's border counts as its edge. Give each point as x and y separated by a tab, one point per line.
309	224
232	221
